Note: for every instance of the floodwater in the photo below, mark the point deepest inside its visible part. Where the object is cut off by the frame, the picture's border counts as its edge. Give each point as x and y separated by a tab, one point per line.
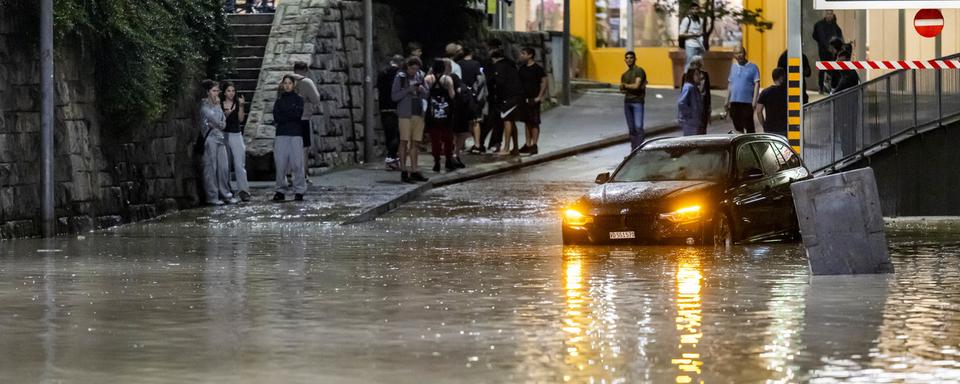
469	284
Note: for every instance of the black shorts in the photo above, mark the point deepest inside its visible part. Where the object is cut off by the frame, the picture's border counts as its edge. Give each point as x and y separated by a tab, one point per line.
510	112
305	132
531	113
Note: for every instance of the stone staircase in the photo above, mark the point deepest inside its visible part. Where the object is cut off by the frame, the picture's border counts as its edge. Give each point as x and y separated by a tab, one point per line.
250	32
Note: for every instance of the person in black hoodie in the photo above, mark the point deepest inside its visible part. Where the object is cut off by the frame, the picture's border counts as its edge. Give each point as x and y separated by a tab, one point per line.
505	81
288	143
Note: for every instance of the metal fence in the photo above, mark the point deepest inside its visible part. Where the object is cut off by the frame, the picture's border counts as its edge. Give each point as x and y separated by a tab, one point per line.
844	126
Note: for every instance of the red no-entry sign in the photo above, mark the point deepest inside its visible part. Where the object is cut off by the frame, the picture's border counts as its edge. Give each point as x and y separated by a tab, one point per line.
928	22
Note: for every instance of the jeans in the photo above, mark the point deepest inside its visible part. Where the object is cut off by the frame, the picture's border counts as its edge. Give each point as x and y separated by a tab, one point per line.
634	114
216	169
238	154
288	159
691	52
391	132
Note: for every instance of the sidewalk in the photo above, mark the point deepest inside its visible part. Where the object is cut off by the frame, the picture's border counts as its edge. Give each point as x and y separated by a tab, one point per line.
593	120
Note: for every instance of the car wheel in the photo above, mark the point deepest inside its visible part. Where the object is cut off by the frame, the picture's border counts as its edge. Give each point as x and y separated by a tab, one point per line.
722	231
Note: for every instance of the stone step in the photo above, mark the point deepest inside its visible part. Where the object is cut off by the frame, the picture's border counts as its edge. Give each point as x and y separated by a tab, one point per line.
256	18
251	40
245	74
252	29
244	85
248	51
249	62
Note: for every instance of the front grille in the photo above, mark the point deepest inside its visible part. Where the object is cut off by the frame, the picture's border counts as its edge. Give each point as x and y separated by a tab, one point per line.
641	223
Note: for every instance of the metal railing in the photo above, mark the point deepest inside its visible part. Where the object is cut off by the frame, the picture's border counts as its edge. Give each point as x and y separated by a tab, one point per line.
846	126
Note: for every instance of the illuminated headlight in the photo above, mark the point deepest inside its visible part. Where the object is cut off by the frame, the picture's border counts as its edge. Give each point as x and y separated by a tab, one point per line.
682	215
575	218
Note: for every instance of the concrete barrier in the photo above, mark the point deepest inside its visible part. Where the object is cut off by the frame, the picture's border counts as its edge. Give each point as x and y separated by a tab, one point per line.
842	224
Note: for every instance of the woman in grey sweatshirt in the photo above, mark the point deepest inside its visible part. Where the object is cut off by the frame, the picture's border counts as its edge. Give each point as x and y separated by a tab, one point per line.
216	166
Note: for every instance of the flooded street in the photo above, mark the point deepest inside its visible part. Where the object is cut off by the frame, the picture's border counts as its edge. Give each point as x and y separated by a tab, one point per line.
468	284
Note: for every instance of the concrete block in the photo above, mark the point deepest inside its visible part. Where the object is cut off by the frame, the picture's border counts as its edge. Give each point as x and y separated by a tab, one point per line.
842	224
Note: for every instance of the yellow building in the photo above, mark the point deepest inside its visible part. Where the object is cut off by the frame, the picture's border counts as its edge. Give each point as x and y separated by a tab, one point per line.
602	25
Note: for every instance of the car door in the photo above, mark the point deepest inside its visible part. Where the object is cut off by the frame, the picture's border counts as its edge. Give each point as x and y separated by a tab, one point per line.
776	189
748	197
793	170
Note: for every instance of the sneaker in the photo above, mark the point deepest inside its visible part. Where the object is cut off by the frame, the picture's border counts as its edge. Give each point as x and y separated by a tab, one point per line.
278	197
416	176
524	149
405	177
515	152
494	150
475	150
458	163
393	165
450	166
298	197
215	202
233	200
533	150
308	181
244	196
436	166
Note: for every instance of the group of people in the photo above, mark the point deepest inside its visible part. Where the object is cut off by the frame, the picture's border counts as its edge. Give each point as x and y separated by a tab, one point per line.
457	99
221	124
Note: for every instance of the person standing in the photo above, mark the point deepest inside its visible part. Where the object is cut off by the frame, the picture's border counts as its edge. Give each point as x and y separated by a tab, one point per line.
703	86
691	33
440	113
743	91
474	79
491	124
633	85
307	89
534	81
690	103
509	96
824	31
772	105
233	108
388	112
846	78
288	143
409	92
216	165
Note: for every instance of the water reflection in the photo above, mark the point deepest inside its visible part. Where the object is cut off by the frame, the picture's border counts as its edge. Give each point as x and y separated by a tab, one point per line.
689	319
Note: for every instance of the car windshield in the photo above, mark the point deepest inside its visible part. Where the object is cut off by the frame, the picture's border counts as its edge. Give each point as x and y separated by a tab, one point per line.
683	163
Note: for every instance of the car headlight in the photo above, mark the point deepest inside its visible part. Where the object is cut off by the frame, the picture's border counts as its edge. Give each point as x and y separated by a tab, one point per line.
683	215
576	218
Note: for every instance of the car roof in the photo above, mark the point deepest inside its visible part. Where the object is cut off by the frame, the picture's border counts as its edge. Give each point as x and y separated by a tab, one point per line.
714	140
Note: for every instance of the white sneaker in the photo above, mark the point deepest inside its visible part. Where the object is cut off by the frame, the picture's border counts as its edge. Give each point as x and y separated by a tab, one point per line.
215	202
233	200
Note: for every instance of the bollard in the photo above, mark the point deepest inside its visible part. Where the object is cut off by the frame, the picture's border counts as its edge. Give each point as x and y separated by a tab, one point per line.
842	224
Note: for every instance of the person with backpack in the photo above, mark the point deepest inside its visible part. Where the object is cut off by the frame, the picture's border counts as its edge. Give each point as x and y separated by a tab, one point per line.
691	34
475	80
440	113
408	92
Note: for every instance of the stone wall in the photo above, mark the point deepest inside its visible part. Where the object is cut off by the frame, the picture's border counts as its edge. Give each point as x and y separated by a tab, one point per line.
103	177
327	34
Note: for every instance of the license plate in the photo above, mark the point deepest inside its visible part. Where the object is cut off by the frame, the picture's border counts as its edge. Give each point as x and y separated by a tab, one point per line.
622	235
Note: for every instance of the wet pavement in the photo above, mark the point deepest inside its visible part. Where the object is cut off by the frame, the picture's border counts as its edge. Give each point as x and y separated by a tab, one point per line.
468	284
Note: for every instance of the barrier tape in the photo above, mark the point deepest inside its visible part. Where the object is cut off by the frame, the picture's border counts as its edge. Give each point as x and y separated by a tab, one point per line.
887	64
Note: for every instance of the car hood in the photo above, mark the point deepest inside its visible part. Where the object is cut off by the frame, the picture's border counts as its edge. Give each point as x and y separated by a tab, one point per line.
645	194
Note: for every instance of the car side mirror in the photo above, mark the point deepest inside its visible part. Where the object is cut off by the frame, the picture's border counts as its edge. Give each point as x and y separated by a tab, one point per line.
603	178
752	174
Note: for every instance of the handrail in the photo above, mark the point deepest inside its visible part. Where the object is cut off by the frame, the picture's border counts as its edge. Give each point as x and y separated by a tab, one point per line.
843	127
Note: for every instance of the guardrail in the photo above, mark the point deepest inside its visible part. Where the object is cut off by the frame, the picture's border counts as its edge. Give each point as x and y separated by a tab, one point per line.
845	126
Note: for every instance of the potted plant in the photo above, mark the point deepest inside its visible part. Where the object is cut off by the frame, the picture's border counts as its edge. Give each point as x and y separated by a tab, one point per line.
717	63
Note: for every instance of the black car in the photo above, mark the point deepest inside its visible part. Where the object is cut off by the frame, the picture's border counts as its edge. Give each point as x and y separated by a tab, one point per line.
708	189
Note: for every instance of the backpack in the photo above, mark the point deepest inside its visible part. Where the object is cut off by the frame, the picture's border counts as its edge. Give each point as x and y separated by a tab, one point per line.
440	108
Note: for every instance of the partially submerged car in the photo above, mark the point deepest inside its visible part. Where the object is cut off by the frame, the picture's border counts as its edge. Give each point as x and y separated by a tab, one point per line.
707	189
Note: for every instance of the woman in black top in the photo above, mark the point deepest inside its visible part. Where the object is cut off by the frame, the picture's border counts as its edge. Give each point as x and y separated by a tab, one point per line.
288	141
234	111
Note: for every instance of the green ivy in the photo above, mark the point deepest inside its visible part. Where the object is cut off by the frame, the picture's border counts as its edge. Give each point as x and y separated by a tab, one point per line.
147	52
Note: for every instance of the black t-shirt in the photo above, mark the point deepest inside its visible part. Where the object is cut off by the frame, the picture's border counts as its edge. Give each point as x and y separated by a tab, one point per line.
471	70
774	100
530	77
384	87
233	119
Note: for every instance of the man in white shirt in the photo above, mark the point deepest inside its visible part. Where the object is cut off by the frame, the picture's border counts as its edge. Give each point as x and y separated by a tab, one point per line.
691	31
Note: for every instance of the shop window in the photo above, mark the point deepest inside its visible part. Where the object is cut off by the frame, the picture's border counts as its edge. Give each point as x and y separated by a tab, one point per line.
611	23
651	29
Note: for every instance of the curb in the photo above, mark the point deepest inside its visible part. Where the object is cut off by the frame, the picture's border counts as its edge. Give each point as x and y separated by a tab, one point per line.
485	170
